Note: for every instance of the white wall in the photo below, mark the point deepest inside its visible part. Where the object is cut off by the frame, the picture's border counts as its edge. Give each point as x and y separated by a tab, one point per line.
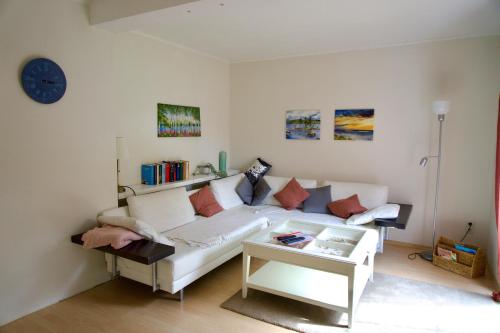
167	74
400	83
57	162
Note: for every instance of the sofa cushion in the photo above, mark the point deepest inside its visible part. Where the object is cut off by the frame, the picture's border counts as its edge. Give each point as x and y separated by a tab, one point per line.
245	190
370	195
225	191
260	192
318	200
258	169
204	202
164	210
292	195
189	258
278	183
388	211
344	208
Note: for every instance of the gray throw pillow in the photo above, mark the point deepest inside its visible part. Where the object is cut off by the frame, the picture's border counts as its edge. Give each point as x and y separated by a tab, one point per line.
245	190
260	191
318	200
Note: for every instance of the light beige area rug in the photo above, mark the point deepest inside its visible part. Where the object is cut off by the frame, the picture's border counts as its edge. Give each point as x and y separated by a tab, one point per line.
389	304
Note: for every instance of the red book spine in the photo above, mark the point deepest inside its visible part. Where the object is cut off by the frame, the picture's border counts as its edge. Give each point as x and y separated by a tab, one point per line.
167	171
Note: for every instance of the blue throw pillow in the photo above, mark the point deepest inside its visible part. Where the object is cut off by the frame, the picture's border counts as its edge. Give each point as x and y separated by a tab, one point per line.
318	200
245	190
260	192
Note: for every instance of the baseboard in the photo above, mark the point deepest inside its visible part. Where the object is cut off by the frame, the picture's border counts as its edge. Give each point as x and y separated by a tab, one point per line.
409	245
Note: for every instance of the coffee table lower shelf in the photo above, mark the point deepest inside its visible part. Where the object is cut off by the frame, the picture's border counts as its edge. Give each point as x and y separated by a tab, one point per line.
324	289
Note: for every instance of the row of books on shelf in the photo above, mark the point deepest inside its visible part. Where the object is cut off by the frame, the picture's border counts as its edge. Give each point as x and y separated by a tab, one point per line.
164	172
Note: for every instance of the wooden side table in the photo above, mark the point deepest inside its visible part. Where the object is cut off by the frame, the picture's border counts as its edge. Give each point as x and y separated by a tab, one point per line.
142	251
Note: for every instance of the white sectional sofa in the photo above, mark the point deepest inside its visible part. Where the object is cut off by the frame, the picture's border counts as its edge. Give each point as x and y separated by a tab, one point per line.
191	262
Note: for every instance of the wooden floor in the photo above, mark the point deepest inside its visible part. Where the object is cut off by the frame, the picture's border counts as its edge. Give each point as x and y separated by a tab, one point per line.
126	306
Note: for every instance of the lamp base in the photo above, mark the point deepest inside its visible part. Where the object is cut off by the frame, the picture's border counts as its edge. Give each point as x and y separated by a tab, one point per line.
426	255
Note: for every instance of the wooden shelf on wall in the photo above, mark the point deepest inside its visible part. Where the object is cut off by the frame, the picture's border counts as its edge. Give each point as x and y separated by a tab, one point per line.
193	180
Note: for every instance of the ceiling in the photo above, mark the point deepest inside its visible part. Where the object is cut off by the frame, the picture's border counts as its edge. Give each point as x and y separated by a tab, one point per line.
248	30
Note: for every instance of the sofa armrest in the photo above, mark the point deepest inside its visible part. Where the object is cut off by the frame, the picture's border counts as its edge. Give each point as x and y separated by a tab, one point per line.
399	222
142	251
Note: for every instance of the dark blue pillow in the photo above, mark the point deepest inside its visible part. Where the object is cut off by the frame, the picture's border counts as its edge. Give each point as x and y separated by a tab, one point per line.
260	192
318	200
258	169
245	190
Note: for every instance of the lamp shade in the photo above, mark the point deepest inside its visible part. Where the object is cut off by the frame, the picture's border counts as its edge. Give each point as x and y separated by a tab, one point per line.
440	107
122	152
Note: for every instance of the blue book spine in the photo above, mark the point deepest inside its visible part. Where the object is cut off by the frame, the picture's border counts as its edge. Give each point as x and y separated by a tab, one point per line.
157	174
147	174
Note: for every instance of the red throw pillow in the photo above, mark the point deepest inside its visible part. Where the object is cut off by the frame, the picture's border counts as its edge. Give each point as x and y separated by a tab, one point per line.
292	195
344	208
204	202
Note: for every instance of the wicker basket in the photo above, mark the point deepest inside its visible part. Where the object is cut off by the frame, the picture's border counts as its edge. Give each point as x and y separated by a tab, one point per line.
467	264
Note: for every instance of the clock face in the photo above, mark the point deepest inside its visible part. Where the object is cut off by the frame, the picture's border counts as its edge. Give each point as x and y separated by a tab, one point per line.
43	80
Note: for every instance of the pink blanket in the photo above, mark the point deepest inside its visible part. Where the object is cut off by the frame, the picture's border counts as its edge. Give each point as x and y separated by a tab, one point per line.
117	237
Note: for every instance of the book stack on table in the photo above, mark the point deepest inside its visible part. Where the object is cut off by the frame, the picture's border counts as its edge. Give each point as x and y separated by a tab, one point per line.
164	172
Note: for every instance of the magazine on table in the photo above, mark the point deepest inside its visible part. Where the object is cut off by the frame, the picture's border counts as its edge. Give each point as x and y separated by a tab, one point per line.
296	239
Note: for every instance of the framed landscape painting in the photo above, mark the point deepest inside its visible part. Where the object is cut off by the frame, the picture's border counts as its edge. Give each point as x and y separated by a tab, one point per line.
178	121
303	125
354	124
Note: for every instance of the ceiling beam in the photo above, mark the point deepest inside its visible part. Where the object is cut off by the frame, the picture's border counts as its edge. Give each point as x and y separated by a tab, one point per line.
125	15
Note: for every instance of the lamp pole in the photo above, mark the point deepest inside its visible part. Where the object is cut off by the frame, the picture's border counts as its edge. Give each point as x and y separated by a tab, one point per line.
440	108
427	255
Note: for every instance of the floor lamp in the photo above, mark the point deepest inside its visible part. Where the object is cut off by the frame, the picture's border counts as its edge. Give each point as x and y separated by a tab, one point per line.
440	108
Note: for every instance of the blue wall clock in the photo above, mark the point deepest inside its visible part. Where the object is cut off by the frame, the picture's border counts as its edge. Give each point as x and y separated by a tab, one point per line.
43	80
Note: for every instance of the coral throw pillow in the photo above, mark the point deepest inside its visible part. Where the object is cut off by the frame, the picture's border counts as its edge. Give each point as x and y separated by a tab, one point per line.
292	195
204	202
344	208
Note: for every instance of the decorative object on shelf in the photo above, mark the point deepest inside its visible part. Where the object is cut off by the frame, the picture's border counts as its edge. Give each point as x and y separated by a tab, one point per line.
354	124
222	162
178	121
43	80
303	124
164	172
440	108
208	169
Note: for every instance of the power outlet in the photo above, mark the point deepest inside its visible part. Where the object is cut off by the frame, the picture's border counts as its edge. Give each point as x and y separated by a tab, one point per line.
468	231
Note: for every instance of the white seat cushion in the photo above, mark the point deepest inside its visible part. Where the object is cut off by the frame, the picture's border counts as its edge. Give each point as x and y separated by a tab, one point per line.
164	210
278	183
224	191
370	195
190	258
279	214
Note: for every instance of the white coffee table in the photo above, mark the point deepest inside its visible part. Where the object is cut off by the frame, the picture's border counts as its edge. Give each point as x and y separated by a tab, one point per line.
331	271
